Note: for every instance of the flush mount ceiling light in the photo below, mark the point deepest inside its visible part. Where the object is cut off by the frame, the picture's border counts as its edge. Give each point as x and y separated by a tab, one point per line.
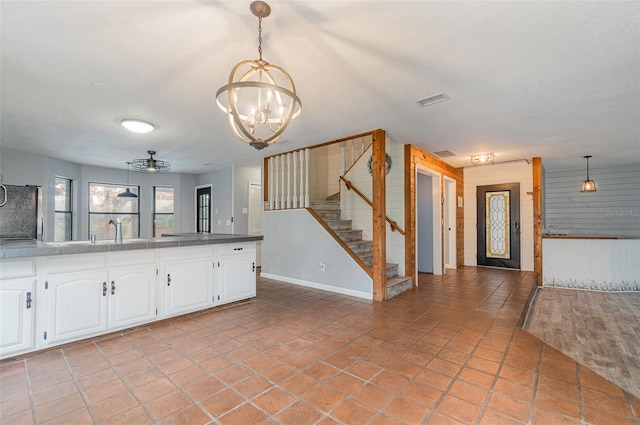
127	193
137	126
482	159
151	165
260	99
588	185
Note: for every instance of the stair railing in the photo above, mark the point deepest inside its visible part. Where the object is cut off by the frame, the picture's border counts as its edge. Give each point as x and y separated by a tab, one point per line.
288	180
350	186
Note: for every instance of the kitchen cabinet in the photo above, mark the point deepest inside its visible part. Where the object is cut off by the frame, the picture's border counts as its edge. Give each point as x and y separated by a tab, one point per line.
17	306
132	296
237	272
188	281
77	305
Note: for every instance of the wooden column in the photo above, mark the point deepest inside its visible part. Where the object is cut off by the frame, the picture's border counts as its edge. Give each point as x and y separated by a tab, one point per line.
379	214
537	219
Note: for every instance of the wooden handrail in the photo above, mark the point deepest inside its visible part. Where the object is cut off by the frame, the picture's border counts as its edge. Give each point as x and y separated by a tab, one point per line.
350	186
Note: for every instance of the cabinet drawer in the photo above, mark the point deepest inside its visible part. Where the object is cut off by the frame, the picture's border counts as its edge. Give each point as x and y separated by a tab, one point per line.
23	267
132	258
236	248
75	263
182	253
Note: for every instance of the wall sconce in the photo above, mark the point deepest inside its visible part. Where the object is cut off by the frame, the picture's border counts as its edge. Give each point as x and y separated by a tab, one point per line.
588	185
482	159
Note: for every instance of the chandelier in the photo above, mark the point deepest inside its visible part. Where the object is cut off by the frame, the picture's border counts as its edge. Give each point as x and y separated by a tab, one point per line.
150	165
260	99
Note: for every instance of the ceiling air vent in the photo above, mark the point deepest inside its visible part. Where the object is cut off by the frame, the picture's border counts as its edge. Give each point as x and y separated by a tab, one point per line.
436	98
444	154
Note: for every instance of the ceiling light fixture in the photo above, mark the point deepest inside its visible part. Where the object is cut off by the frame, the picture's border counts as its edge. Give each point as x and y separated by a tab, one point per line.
588	185
137	126
261	98
482	159
127	193
151	165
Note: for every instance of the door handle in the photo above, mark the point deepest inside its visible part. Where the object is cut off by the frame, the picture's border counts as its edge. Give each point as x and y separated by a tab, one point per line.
29	300
517	226
113	287
168	279
104	289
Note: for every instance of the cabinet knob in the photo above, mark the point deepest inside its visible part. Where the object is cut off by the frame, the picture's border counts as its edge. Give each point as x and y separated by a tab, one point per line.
168	279
237	249
104	289
113	287
29	300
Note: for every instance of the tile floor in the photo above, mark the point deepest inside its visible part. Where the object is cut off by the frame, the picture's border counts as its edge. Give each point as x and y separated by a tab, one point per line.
449	352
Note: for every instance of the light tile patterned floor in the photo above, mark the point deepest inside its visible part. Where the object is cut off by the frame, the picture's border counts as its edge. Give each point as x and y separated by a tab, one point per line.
449	352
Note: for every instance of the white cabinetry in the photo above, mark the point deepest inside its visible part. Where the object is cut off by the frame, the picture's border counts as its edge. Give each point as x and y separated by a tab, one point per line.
76	297
188	279
132	288
17	284
237	271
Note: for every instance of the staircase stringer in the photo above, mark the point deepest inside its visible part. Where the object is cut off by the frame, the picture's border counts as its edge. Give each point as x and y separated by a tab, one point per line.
340	242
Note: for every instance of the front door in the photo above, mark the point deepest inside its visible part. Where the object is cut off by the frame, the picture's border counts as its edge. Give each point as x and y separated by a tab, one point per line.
203	209
499	225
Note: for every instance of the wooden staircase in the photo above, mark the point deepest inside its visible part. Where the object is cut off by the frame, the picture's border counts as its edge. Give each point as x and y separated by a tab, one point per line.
329	211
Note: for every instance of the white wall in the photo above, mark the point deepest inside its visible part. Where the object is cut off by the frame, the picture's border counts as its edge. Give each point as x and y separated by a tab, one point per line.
20	168
612	210
295	244
355	209
517	172
221	197
241	177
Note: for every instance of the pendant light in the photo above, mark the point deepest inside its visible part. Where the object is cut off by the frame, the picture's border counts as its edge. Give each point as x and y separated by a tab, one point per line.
588	185
260	99
127	193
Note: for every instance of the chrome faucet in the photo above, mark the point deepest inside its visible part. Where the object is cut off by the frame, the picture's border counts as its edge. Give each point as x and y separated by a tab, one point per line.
118	225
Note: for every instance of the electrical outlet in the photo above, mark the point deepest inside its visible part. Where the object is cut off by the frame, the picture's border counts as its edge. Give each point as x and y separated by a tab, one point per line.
322	266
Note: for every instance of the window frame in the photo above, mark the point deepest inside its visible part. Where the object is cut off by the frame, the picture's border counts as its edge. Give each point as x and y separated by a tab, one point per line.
155	212
133	188
68	212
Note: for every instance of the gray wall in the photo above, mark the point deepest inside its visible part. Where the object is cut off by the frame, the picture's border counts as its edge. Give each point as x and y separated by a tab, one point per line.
242	176
613	210
20	168
222	198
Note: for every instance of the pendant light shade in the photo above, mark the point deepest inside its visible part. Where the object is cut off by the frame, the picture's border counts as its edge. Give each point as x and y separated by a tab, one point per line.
127	193
588	185
260	99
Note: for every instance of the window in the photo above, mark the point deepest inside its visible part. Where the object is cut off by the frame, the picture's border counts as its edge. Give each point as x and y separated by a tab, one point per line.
104	206
162	210
62	227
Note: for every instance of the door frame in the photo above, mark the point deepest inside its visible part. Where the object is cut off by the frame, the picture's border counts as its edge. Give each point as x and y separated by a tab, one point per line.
437	218
514	226
195	210
450	236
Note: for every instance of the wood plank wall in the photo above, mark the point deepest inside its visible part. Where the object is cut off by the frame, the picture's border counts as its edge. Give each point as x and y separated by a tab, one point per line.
415	156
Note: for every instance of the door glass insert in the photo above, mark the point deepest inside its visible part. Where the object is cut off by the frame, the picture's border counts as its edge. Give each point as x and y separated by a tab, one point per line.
497	224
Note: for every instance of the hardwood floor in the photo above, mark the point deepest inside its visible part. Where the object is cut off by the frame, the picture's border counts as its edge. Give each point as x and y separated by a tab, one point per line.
599	330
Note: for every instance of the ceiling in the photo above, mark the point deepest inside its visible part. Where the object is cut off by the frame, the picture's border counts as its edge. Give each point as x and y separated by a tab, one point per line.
557	80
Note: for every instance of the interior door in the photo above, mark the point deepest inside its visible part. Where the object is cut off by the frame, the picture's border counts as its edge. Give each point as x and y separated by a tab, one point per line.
203	209
499	225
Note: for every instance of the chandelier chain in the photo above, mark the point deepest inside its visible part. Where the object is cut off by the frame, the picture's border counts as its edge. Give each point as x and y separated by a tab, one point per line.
260	35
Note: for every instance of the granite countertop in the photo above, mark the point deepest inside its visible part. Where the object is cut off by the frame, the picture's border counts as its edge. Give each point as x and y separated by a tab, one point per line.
34	248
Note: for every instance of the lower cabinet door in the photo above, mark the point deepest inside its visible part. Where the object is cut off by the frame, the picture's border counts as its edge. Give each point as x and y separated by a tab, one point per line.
16	307
132	295
237	277
188	285
77	305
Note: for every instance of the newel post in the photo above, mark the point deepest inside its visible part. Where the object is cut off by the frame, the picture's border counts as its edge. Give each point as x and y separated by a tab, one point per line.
379	214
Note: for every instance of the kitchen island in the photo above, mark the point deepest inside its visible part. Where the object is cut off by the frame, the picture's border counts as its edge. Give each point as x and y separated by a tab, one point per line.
53	293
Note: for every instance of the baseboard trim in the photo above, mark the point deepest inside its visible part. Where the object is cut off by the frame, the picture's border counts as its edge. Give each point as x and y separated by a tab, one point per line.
321	286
